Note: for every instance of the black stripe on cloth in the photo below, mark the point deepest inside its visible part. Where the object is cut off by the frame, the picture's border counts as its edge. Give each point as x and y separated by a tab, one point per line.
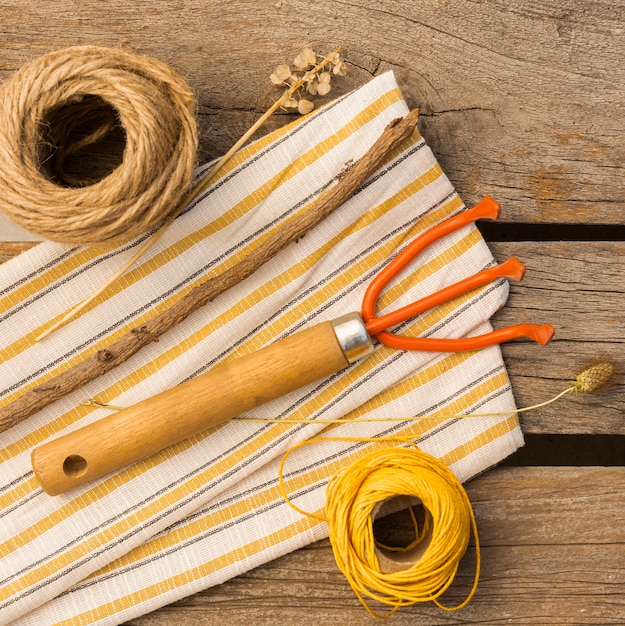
15	482
31	496
51	287
50	264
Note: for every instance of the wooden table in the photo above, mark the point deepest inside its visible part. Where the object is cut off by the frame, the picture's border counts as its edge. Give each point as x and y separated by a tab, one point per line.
523	101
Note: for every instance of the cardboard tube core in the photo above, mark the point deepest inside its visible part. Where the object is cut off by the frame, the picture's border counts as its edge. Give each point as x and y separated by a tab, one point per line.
395	561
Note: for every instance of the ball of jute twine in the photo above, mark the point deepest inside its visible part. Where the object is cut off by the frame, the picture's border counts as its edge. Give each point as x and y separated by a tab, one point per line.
59	103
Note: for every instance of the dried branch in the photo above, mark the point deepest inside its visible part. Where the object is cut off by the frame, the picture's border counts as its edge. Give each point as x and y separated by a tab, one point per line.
121	350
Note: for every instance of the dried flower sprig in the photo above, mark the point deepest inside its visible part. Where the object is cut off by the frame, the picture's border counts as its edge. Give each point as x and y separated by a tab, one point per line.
295	84
307	74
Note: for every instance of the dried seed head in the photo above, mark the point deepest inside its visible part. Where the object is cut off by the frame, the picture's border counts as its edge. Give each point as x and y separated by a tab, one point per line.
307	57
593	377
315	78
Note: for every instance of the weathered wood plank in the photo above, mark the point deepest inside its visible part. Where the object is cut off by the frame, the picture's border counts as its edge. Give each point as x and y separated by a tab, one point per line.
537	374
9	249
523	100
577	287
553	553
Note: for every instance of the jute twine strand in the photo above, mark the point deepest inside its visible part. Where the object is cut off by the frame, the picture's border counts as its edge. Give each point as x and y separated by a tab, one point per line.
355	494
57	104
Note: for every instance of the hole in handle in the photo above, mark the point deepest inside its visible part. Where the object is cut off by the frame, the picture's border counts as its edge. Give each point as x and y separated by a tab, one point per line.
75	466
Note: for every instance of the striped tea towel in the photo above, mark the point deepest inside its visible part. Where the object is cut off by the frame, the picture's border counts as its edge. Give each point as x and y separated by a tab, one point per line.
208	508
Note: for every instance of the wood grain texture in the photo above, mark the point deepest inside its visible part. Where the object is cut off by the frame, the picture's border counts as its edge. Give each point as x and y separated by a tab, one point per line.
553	554
523	101
193	406
10	249
578	288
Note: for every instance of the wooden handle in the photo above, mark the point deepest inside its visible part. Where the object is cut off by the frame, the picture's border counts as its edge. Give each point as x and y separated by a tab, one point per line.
190	408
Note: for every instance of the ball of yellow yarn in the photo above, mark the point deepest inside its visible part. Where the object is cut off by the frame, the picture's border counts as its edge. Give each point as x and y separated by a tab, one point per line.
43	107
352	498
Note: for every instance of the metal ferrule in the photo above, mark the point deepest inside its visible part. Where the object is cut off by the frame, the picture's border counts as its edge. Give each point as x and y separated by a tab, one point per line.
352	337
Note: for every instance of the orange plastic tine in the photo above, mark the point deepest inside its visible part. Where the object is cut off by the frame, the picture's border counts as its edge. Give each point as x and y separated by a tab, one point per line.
540	333
512	268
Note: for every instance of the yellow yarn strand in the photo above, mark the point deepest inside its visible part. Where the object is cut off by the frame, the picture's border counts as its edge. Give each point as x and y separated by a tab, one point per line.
590	380
397	418
352	498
